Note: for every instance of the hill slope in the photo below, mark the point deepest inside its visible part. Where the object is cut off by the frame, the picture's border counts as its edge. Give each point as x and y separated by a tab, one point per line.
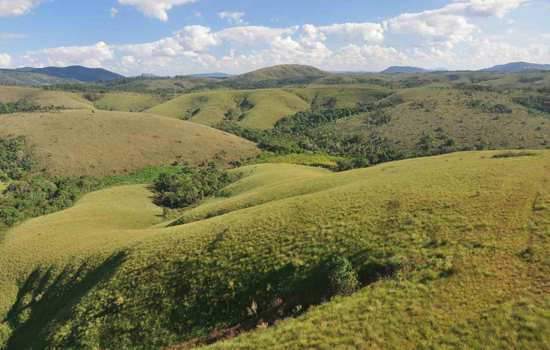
251	108
43	98
516	67
102	143
461	241
78	73
430	117
404	70
15	77
282	72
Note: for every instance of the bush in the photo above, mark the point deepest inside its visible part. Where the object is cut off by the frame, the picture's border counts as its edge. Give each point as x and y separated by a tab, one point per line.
342	278
189	186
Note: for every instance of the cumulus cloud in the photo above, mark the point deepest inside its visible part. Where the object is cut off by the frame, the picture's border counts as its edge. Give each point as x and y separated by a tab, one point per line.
5	60
451	23
443	37
113	12
232	17
14	8
155	8
92	56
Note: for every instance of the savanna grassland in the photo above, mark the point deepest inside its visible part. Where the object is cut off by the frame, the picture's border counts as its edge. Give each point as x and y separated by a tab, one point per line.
287	208
450	250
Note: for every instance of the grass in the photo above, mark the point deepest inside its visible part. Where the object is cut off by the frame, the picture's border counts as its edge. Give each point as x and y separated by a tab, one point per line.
441	110
512	154
107	273
101	143
43	98
314	160
127	102
264	109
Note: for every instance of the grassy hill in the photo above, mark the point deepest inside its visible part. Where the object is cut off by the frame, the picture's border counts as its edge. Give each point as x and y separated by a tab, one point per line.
452	251
77	73
283	72
262	108
255	108
126	101
87	142
462	118
14	77
43	98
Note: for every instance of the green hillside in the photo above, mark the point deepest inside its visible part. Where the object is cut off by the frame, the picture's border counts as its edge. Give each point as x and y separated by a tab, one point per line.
100	143
254	109
451	251
126	101
43	98
282	72
461	118
262	108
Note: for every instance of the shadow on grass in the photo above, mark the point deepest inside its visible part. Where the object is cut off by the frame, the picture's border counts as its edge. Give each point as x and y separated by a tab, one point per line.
45	300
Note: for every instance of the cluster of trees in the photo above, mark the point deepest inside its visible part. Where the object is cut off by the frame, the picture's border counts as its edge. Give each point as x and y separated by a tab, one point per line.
305	133
23	106
189	186
35	195
539	102
15	162
498	108
29	194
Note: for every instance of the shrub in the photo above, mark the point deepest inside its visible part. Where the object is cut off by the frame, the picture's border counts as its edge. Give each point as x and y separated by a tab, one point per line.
342	278
189	186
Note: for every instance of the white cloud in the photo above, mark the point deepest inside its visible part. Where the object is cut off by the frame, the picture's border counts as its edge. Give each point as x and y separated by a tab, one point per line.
113	12
155	8
445	37
5	60
14	8
232	17
451	23
91	56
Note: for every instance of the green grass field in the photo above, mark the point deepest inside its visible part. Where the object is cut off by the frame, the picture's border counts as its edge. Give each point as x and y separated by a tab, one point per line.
464	116
262	109
467	236
101	143
43	98
126	102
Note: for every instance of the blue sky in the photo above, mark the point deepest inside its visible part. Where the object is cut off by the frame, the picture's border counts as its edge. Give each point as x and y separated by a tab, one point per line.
170	37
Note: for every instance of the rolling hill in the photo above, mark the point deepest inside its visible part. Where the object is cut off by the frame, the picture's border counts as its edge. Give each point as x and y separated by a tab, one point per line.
99	143
516	67
14	77
43	98
450	251
262	108
404	70
282	72
255	108
78	73
462	118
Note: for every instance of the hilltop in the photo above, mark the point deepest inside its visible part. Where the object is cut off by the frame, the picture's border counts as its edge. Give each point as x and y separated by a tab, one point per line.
100	143
78	73
516	67
404	70
449	250
283	72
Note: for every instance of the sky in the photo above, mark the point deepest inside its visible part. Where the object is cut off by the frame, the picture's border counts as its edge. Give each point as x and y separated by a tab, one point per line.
176	37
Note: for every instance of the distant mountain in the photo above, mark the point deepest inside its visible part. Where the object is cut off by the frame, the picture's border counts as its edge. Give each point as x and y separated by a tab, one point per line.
21	78
283	72
78	73
211	75
404	70
516	67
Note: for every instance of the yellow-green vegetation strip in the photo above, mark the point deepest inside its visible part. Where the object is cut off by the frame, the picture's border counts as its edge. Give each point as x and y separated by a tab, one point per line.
469	233
101	143
43	98
127	101
263	109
